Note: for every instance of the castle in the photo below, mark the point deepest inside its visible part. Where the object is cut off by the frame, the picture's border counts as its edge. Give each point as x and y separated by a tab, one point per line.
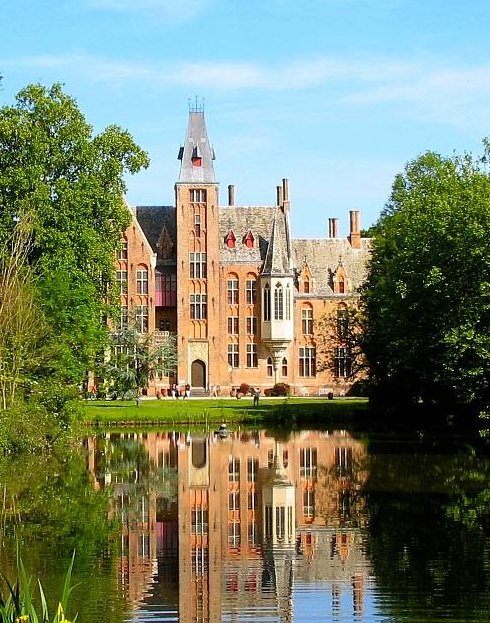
239	292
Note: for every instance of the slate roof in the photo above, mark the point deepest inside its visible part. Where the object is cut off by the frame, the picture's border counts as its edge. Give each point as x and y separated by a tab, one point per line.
324	255
153	219
241	220
267	224
196	145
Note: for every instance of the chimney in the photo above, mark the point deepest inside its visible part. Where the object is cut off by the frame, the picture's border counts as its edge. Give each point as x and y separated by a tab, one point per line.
231	195
285	190
333	227
355	229
279	195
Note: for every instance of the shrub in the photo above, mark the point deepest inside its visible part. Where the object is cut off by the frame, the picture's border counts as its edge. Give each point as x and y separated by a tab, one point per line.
359	389
245	389
281	389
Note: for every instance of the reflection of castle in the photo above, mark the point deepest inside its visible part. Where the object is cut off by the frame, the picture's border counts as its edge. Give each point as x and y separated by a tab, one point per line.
244	516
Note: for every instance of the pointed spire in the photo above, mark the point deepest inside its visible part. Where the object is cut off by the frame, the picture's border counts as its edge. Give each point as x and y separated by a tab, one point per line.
276	259
196	155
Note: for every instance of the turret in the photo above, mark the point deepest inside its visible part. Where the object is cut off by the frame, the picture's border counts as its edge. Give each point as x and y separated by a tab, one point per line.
277	285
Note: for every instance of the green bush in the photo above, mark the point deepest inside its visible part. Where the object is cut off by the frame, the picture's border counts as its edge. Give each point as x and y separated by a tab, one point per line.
38	424
280	389
245	389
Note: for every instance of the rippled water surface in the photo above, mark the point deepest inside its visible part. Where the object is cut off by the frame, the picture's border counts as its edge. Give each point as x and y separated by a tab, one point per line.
310	526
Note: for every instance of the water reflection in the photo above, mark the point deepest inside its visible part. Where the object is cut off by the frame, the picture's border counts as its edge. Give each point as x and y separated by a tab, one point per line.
256	527
221	528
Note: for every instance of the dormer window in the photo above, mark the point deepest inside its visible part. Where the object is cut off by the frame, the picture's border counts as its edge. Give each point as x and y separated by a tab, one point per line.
306	279
230	239
248	240
196	157
164	245
341	281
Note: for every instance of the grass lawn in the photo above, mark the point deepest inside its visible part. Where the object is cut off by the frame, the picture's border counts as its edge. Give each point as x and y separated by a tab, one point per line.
212	411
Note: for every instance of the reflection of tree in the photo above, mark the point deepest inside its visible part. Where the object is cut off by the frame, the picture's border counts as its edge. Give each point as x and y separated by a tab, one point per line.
430	548
342	484
50	505
134	477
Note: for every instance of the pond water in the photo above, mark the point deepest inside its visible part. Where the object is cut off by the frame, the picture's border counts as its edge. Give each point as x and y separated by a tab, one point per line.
254	526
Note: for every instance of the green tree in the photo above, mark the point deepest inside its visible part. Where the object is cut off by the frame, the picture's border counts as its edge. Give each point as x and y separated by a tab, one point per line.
427	297
135	358
70	184
338	339
22	331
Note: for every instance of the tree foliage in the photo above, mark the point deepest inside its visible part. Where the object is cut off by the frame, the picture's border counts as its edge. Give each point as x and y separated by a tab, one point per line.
22	330
135	358
341	328
427	298
69	183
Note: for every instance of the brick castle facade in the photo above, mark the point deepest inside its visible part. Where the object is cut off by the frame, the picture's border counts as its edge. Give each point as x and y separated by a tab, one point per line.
239	292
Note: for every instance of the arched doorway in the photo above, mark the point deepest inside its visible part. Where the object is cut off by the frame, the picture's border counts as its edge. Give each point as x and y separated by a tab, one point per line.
198	374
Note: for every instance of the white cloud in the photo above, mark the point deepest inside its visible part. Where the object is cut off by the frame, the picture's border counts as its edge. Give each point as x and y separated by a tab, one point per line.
297	74
175	10
456	96
422	89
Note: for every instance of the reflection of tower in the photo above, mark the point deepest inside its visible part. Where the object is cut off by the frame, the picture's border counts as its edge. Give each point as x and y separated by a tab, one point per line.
358	593
278	500
279	517
200	547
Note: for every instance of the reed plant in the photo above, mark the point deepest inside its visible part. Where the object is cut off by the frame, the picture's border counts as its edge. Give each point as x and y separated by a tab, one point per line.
18	603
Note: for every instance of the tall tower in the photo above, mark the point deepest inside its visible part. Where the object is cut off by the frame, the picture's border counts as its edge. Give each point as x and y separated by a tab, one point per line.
196	206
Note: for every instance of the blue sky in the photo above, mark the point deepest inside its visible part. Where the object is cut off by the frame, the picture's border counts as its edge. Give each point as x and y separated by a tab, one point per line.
336	95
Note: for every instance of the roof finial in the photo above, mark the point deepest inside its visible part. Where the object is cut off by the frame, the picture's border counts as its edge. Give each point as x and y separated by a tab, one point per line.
196	107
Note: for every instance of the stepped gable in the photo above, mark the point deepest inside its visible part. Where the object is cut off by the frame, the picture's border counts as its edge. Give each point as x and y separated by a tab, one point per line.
242	219
324	256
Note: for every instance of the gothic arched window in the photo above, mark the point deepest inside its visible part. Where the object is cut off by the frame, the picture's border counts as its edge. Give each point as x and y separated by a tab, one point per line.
278	302
267	302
